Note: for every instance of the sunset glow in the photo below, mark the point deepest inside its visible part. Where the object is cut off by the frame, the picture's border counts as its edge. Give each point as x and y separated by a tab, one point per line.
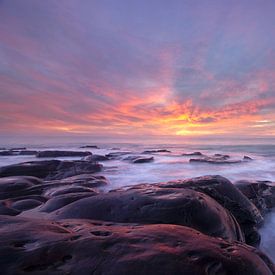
137	68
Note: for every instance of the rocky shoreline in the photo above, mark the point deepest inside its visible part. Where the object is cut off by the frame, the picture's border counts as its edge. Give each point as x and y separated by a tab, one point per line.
56	218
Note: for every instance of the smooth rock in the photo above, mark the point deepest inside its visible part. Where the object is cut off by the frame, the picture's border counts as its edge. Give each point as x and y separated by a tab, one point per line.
94	247
151	205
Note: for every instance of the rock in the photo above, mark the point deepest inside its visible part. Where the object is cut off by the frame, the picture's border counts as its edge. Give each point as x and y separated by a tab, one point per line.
94	158
56	153
50	169
225	193
94	247
87	180
11	187
156	151
151	204
138	159
62	200
215	160
26	204
18	148
221	156
69	190
6	210
116	155
193	154
90	146
261	193
247	158
6	153
28	152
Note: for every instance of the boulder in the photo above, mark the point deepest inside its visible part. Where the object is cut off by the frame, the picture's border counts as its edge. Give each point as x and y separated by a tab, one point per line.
261	193
229	196
57	153
94	247
151	205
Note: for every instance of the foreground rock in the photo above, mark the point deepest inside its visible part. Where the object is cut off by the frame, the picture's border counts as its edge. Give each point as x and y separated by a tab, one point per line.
152	205
57	153
94	247
224	192
50	169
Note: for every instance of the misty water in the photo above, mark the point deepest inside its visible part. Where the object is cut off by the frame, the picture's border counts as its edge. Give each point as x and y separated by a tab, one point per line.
172	166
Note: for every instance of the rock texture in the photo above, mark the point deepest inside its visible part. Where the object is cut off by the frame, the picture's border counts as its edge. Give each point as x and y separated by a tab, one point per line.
152	205
139	159
260	193
93	247
224	192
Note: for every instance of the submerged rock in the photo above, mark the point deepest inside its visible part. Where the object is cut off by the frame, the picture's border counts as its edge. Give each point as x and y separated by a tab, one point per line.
90	146
94	158
95	247
57	153
139	159
117	155
215	160
156	151
193	154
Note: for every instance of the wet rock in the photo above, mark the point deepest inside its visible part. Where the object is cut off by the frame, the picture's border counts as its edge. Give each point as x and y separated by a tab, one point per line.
94	247
193	154
27	152
59	201
215	160
94	158
87	180
151	205
68	190
139	159
50	169
229	196
90	146
261	193
56	153
156	151
6	153
11	187
26	204
116	155
6	210
247	158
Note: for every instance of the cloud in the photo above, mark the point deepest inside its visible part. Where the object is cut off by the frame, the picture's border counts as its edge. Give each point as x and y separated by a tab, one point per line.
158	68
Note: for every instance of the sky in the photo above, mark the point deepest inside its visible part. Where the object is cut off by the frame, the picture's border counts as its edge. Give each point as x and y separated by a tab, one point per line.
132	70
